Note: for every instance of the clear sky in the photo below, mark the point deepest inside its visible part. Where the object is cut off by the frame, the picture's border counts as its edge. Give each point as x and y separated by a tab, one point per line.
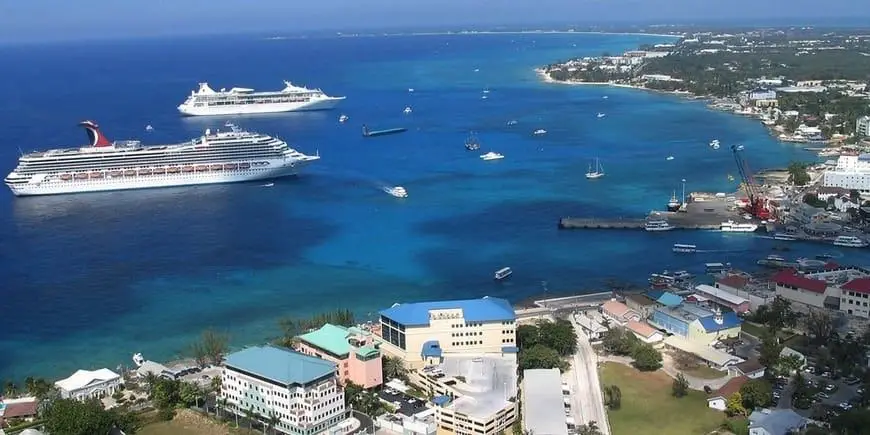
39	20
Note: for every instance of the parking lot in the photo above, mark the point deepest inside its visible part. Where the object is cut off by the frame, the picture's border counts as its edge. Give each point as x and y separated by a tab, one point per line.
829	396
404	404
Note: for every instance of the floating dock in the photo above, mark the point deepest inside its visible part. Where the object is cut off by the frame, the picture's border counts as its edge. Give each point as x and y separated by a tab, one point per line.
372	133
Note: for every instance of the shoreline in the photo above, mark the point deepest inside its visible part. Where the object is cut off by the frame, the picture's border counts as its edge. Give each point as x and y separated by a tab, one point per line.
544	77
505	32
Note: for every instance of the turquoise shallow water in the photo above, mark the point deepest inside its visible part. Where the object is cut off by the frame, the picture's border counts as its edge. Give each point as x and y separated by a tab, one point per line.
89	279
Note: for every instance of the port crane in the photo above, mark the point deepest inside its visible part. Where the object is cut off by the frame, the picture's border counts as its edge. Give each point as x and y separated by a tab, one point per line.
757	206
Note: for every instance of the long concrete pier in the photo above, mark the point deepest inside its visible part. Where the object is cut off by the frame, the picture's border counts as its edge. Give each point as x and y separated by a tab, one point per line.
568	223
699	215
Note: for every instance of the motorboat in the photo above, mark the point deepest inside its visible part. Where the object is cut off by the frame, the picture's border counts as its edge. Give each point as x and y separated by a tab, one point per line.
503	273
669	158
714	144
674	203
825	256
850	242
597	172
149	128
407	110
491	156
471	143
686	249
397	191
138	359
601	115
268	184
410	89
343	118
657	223
730	226
605	97
716	267
784	237
807	264
775	261
512	122
539	132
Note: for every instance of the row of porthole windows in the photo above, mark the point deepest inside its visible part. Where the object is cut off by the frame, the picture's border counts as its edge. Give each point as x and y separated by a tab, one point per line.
466	343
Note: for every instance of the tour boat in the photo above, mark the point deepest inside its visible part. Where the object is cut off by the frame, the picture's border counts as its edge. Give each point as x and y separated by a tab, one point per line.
398	191
850	242
503	273
655	223
491	156
730	226
598	172
688	249
784	237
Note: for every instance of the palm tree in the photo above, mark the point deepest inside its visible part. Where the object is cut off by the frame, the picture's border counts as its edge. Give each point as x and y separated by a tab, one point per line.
9	389
590	428
273	421
249	414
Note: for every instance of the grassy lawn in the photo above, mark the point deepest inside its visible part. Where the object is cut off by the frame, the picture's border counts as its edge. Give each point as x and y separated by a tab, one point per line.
753	329
190	423
647	403
705	372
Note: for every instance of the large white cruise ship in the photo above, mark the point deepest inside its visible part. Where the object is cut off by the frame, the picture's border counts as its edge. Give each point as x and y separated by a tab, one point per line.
216	157
240	101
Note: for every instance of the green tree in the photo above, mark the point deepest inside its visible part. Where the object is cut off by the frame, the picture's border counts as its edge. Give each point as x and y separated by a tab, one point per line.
646	358
612	396
10	389
680	386
756	393
540	357
770	349
734	406
527	336
393	368
790	363
590	428
189	393
559	335
292	327
853	422
215	345
165	393
73	417
619	341
820	326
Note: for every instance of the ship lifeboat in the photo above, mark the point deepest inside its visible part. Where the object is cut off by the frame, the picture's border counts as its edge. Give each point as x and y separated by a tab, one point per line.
65	177
231	166
129	173
244	166
144	172
115	173
202	168
187	169
97	175
173	169
159	171
81	176
217	167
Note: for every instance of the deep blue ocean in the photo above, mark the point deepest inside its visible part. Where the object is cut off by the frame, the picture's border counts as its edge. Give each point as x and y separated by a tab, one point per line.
86	280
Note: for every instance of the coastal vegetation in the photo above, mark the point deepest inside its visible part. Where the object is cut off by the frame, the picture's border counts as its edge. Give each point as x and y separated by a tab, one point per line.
619	341
797	174
647	402
210	348
73	417
545	344
293	327
365	401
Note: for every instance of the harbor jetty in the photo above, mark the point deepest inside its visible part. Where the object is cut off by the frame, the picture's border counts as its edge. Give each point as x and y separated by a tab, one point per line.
699	215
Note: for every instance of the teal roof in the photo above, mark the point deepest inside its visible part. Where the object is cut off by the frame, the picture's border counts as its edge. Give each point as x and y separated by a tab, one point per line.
485	309
330	338
280	365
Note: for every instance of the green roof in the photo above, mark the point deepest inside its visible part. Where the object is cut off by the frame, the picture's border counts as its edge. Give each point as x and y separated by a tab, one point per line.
330	338
367	351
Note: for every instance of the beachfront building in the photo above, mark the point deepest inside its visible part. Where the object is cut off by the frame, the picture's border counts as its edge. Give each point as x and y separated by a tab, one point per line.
618	313
852	173
543	402
424	332
761	97
801	289
724	299
473	394
301	391
640	304
89	384
862	126
22	409
353	350
855	297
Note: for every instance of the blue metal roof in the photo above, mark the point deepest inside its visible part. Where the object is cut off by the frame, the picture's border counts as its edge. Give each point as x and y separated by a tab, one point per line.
441	400
281	365
667	299
729	320
485	309
431	349
510	349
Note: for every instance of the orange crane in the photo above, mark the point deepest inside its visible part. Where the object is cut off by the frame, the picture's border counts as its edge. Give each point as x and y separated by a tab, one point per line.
757	204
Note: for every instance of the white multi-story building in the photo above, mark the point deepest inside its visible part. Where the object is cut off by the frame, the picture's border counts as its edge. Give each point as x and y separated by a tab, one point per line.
300	390
426	331
89	384
852	172
862	126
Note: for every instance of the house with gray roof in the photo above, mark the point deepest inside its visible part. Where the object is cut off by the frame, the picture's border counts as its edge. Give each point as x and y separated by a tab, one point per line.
775	422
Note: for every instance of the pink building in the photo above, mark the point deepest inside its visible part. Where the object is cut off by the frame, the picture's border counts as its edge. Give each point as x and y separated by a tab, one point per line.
353	350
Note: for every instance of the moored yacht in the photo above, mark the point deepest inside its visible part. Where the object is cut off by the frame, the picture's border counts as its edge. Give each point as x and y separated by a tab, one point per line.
491	156
539	132
397	191
597	172
471	143
503	273
674	203
657	223
686	249
714	144
850	242
730	226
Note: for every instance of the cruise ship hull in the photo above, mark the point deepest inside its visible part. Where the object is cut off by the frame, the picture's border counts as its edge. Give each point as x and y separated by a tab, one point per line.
325	103
54	186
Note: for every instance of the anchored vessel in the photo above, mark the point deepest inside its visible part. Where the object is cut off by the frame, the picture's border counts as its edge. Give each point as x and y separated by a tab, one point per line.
239	101
503	273
215	157
730	226
850	242
683	248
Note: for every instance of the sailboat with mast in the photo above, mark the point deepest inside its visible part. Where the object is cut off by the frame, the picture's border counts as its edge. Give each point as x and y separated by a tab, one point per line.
595	172
674	203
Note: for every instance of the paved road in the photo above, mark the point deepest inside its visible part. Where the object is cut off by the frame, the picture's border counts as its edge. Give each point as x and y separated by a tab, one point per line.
588	399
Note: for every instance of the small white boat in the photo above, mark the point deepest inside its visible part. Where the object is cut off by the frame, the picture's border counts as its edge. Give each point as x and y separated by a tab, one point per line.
669	158
486	91
491	156
407	110
512	122
539	132
714	144
477	70
138	359
268	185
503	273
730	226
343	118
410	89
397	191
687	249
597	172
850	242
605	97
483	97
601	115
149	128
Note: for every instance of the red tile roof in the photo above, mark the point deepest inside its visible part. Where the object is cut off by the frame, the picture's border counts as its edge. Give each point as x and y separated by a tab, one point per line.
730	387
615	308
734	281
641	328
860	285
790	278
20	409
